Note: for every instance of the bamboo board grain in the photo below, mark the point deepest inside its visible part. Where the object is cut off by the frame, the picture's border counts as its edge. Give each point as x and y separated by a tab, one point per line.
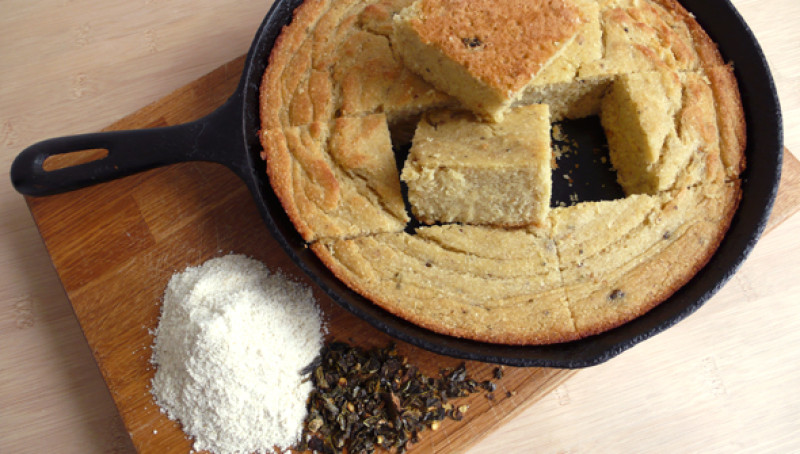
115	246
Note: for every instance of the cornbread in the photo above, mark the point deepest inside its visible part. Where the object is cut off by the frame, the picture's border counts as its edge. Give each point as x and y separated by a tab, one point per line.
485	283
378	17
329	66
484	52
350	82
662	131
588	269
337	179
645	36
460	169
620	258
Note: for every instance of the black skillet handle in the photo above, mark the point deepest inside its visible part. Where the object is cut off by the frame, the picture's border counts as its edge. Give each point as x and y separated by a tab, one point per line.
216	137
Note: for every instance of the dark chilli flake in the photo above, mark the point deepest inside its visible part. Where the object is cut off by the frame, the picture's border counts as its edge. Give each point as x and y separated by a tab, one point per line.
472	42
368	399
616	294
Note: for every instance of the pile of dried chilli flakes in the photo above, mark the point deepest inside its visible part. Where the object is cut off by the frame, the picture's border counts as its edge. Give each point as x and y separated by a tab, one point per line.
369	399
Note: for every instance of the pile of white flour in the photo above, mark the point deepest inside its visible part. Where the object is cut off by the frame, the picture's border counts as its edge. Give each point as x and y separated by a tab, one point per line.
229	349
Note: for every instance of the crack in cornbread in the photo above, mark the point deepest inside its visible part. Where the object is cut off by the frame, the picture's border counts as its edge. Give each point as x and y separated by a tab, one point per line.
645	35
585	268
613	277
515	278
520	297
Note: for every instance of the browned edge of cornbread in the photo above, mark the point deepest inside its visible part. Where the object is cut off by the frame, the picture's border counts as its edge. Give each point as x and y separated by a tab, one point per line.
399	310
732	128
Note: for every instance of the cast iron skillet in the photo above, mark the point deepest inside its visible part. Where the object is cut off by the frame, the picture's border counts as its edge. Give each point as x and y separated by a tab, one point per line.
229	136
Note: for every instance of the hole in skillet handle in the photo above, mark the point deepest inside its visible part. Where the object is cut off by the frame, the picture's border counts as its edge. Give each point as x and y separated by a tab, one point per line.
73	158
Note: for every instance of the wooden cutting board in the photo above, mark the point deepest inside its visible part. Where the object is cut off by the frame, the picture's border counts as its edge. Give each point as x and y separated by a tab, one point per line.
115	246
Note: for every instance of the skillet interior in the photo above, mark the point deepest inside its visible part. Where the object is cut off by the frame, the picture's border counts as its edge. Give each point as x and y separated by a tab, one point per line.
759	186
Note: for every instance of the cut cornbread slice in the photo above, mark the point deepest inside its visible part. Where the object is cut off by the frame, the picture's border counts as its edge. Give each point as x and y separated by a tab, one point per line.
483	283
337	179
460	169
657	243
324	65
484	52
662	131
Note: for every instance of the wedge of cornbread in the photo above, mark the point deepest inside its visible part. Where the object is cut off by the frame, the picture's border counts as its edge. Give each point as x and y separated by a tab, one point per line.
460	169
621	258
662	131
337	179
484	52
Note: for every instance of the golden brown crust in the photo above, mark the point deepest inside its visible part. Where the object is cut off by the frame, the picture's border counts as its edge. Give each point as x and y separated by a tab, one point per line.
502	46
730	119
643	36
730	113
704	46
285	56
281	169
324	65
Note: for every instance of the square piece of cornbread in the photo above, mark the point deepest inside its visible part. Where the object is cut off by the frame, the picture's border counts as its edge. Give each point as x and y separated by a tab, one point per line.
460	169
484	52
